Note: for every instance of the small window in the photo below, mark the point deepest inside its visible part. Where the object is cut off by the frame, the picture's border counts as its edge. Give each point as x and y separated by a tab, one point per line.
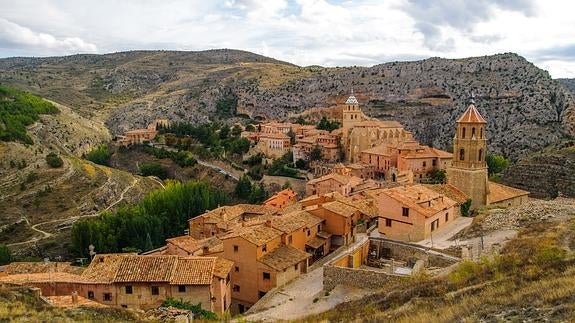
236	288
261	294
296	266
107	296
264	248
446	217
228	279
424	164
472	132
182	288
461	154
290	239
90	294
237	269
405	211
388	222
236	248
266	276
308	232
318	227
155	290
463	135
101	259
129	289
434	163
124	306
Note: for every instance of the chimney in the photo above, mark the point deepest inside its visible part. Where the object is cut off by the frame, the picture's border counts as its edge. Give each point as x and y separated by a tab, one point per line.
74	297
269	223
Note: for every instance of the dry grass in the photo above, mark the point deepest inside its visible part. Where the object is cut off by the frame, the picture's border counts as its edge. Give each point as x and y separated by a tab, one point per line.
532	279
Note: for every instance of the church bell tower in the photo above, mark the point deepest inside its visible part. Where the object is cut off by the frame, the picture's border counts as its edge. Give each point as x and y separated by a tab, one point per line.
468	171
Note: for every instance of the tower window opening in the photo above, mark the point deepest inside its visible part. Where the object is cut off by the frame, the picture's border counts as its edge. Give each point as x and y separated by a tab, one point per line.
472	131
480	157
461	154
463	134
481	133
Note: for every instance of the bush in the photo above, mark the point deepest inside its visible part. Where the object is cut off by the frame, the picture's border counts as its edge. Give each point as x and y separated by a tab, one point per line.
100	155
466	207
5	255
54	160
496	164
199	312
153	169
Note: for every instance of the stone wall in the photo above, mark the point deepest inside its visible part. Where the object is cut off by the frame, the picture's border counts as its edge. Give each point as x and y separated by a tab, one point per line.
406	251
362	278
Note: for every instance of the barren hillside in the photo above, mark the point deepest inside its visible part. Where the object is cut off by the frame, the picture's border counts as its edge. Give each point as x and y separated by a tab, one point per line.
526	109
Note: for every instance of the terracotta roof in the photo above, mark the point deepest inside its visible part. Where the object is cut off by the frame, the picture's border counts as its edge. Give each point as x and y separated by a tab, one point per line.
111	268
66	302
281	197
140	131
228	213
41	267
283	257
186	243
22	279
499	193
222	267
294	221
450	191
274	135
379	124
257	234
427	152
342	179
316	242
471	115
419	198
192	271
340	208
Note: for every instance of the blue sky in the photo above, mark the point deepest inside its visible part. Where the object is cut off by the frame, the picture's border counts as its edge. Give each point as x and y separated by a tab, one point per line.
304	32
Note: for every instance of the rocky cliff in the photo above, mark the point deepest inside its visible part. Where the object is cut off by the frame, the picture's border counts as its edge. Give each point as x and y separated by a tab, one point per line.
525	108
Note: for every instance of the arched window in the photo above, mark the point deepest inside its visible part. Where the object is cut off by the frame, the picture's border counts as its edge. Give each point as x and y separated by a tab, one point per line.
481	133
472	132
461	154
480	157
463	134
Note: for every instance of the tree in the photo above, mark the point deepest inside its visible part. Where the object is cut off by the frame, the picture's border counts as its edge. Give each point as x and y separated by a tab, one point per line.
291	136
5	255
250	128
243	188
286	185
99	155
325	124
496	164
153	169
437	175
315	153
259	194
54	160
466	208
301	164
237	131
224	132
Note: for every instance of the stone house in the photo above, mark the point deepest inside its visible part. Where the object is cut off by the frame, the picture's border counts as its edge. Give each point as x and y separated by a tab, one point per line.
143	282
139	136
274	145
261	262
340	219
333	182
413	212
282	199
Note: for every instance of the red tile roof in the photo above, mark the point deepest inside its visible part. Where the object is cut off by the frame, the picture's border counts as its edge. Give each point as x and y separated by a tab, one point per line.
471	115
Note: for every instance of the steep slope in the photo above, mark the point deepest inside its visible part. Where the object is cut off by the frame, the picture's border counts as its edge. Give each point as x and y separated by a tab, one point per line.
568	83
526	109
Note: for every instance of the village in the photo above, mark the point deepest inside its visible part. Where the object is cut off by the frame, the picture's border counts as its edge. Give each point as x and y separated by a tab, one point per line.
368	216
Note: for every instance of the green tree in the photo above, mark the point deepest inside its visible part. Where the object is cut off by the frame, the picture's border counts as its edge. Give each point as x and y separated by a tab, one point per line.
259	194
243	188
291	135
437	175
5	255
316	153
250	128
325	124
100	155
153	169
53	160
237	131
466	208
224	132
496	164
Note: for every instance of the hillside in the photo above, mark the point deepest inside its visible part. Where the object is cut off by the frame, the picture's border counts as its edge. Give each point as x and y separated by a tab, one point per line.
568	83
526	109
38	202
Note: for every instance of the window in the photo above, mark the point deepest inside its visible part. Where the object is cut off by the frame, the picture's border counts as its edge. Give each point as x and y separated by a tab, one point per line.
241	308
155	290
480	157
296	266
290	239
434	225
236	288
181	288
236	248
237	269
405	211
446	217
90	294
228	279
261	294
266	276
308	232
434	163
124	306
463	134
264	248
107	296
461	154
424	164
472	132
388	222
129	289
481	133
318	227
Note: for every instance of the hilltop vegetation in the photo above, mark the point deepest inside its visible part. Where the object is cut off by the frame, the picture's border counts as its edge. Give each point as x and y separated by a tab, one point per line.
19	109
533	278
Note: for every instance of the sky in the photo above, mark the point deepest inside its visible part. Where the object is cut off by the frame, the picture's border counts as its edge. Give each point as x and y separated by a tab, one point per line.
303	32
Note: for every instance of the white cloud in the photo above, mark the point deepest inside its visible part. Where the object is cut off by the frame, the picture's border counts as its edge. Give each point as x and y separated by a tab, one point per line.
12	34
304	32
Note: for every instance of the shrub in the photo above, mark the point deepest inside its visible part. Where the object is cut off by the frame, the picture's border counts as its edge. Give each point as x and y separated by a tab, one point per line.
5	255
99	155
199	312
54	160
466	207
153	169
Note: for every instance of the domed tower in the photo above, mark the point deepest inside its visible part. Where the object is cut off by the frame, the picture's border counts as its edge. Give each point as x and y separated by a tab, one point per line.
468	171
351	112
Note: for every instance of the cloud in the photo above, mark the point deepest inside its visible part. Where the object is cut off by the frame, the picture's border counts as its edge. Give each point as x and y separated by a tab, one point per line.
563	52
14	35
460	15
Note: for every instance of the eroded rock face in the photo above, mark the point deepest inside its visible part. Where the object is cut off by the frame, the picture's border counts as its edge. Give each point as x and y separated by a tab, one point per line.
547	174
525	108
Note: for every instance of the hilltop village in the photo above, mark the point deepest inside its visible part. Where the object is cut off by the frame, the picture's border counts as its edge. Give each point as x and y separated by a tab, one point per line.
366	217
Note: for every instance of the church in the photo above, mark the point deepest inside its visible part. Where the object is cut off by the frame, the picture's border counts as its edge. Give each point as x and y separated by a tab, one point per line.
468	170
